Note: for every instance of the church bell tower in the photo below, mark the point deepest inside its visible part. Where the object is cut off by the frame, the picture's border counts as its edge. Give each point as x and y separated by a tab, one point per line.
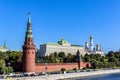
29	50
91	44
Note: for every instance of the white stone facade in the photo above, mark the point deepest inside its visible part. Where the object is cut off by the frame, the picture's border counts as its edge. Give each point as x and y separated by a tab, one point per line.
92	49
61	46
3	49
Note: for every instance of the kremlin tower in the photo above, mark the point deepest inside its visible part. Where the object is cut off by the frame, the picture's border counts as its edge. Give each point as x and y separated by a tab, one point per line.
91	44
86	45
29	50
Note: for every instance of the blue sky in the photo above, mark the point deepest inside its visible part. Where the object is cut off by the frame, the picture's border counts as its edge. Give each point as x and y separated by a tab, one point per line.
74	20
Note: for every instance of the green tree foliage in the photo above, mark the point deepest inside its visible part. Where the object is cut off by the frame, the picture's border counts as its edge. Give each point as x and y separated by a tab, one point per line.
2	62
55	54
56	58
14	56
7	70
61	55
69	58
95	64
3	55
112	59
86	58
110	54
9	57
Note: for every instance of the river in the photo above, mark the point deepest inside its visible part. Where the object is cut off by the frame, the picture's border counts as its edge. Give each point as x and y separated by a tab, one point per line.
114	76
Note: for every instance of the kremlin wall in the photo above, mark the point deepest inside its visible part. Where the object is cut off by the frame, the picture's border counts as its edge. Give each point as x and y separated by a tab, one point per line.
57	67
29	54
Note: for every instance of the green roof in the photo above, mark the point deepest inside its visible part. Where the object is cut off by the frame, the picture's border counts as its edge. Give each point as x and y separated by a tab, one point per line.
62	41
76	45
2	47
51	43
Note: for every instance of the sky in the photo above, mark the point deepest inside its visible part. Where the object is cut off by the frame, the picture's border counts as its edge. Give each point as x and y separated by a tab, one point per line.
73	20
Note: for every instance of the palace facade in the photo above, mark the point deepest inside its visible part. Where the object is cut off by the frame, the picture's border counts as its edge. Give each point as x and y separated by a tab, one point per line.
60	46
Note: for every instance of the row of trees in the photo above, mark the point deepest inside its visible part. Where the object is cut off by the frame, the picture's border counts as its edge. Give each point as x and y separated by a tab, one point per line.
112	59
55	57
6	58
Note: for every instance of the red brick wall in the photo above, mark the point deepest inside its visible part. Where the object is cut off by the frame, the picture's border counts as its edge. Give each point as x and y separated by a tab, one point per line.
42	67
84	64
55	67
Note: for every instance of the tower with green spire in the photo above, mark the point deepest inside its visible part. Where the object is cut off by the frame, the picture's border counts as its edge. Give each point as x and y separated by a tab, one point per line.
29	50
5	46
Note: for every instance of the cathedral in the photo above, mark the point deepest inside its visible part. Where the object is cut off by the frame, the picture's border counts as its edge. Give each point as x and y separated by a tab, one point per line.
91	49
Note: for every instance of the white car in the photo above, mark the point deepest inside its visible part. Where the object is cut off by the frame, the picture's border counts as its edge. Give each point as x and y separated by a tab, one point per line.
11	74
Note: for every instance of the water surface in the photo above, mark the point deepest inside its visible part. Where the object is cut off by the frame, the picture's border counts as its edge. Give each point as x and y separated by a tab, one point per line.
114	76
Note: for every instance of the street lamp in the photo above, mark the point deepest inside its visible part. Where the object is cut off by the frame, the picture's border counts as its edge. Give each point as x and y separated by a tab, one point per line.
4	69
9	64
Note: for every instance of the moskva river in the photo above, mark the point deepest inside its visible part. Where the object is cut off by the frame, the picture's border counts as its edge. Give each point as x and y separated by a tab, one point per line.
114	76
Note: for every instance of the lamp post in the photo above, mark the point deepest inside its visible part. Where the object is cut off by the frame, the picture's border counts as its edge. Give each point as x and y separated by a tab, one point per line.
9	64
4	69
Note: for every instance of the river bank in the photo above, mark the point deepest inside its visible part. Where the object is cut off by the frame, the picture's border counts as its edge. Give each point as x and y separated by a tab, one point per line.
69	75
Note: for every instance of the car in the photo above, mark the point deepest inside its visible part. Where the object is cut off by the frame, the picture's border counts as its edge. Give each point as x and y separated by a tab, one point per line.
11	74
83	71
42	73
2	76
32	74
54	73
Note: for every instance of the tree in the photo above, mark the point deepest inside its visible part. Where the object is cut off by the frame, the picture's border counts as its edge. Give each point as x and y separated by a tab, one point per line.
69	57
51	58
112	59
55	54
97	56
95	64
3	55
110	54
103	59
1	63
14	56
7	70
86	58
62	56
